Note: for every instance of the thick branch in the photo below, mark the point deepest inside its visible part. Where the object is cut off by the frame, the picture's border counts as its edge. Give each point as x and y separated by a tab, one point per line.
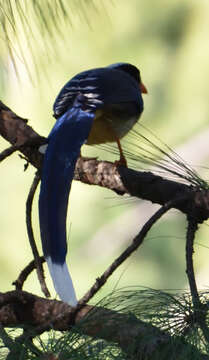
15	130
144	185
19	307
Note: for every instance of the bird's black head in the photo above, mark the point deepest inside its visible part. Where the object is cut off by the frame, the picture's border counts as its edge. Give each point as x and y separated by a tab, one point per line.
132	71
128	68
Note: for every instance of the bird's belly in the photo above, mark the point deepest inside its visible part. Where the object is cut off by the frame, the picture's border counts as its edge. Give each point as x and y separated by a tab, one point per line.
107	127
100	133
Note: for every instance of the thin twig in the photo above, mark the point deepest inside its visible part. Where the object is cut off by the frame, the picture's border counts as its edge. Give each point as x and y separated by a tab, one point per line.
137	241
26	339
200	310
15	346
7	340
191	230
9	151
25	273
39	267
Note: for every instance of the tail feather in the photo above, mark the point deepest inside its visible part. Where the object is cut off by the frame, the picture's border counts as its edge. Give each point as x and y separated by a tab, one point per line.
62	281
67	136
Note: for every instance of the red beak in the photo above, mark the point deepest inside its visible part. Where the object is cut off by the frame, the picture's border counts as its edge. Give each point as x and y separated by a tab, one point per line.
143	88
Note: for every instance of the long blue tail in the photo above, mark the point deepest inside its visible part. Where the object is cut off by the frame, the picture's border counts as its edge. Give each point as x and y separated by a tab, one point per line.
64	142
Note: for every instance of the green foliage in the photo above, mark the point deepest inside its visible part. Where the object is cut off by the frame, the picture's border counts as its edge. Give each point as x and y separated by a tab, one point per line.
33	27
145	151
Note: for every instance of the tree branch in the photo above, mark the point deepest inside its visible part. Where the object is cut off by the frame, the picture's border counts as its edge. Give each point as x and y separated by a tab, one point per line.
144	185
191	231
199	312
19	308
136	242
25	273
38	262
9	151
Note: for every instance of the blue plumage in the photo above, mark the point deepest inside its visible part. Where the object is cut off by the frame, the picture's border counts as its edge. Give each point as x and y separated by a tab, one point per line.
64	143
115	91
102	86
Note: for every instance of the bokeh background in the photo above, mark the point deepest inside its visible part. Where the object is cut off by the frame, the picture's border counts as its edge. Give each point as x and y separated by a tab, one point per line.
168	41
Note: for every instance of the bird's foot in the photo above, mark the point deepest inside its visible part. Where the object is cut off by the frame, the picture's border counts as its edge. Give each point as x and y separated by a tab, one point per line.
121	162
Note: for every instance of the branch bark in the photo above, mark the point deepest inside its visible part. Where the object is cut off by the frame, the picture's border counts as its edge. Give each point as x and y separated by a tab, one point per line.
144	185
19	308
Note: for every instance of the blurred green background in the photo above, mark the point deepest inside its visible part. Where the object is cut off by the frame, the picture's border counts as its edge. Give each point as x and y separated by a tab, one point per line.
168	41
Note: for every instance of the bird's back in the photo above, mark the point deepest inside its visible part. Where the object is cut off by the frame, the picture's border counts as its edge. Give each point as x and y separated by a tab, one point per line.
102	87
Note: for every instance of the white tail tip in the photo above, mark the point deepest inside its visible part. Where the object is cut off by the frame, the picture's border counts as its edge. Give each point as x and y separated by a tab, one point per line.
62	281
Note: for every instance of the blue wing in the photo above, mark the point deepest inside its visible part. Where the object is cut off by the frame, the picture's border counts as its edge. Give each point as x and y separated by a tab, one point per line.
100	86
64	142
